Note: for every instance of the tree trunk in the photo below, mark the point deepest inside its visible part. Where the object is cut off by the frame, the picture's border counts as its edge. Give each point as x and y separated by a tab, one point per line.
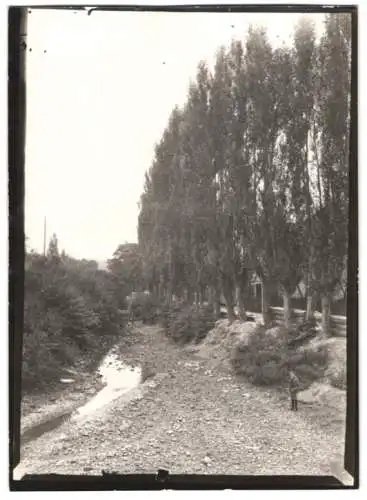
228	297
160	291
310	309
325	319
200	297
169	293
216	301
170	284
211	296
240	303
178	294
216	309
169	298
202	294
189	295
265	303
287	309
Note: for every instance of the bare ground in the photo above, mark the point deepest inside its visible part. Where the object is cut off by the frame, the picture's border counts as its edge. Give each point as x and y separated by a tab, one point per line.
194	418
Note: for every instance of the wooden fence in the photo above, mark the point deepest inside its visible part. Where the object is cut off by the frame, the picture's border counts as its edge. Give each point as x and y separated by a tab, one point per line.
338	324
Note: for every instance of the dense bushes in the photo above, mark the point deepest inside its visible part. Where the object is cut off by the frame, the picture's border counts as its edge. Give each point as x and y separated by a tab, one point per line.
167	314
262	358
71	316
187	323
145	308
336	374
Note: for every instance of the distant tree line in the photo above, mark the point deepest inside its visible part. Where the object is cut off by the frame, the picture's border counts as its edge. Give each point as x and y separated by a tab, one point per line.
251	175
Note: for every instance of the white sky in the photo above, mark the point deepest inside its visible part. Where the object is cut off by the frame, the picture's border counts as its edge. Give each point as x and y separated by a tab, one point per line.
97	101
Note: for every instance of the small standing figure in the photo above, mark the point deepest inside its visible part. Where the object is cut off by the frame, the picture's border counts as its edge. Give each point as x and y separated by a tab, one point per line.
294	386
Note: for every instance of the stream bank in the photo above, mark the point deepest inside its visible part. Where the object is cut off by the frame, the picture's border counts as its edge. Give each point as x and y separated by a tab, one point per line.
85	395
190	418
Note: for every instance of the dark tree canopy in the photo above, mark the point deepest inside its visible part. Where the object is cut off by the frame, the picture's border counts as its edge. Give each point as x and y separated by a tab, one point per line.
251	174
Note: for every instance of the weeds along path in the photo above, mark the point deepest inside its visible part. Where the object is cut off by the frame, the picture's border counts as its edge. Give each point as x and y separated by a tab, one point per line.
194	419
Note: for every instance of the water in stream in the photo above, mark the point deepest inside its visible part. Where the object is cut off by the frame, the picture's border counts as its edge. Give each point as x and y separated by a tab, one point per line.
118	377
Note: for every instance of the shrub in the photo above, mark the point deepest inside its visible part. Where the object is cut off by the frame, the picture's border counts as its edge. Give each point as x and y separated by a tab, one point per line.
71	318
188	324
147	371
145	308
302	333
338	378
205	322
38	364
167	313
264	357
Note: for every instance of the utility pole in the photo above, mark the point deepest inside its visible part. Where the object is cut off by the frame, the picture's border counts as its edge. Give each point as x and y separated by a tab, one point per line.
44	236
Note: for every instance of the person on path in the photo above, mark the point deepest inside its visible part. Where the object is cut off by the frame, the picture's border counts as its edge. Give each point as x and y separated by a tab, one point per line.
294	386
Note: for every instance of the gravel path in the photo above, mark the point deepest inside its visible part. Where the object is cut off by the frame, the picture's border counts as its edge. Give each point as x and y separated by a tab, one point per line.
191	419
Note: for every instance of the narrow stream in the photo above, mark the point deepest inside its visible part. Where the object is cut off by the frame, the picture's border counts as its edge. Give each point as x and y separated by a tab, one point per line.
118	378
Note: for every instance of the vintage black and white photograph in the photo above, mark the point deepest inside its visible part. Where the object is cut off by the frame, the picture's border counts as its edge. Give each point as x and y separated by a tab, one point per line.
187	210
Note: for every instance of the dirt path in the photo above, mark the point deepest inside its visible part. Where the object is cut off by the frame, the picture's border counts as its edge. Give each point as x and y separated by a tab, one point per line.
192	419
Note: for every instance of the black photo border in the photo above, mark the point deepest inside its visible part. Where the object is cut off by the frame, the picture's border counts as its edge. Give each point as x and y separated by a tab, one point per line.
16	165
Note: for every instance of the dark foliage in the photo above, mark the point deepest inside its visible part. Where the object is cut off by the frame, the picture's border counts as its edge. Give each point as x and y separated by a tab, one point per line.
71	317
264	359
145	308
187	324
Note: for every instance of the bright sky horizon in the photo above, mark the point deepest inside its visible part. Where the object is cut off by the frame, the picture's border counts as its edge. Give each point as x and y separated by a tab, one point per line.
100	89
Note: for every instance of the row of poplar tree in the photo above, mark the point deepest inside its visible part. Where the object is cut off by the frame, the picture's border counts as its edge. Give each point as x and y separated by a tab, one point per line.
251	174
